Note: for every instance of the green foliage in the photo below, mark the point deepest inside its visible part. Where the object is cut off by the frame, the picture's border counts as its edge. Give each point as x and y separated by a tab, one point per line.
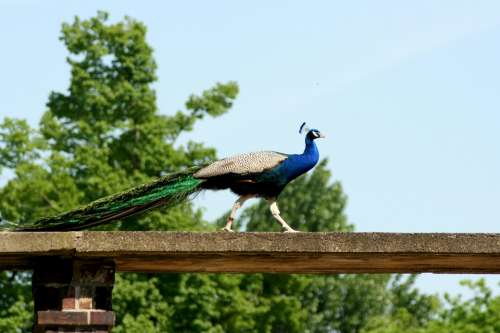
102	136
405	297
211	303
18	143
15	305
481	313
141	305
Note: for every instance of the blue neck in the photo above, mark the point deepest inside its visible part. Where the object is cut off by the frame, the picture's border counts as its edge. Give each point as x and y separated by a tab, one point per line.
296	165
311	150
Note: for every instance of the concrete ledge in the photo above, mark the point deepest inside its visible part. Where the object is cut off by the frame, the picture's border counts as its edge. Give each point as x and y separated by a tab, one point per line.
261	252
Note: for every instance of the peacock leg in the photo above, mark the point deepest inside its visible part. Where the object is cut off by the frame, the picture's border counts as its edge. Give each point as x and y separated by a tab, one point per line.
237	204
276	214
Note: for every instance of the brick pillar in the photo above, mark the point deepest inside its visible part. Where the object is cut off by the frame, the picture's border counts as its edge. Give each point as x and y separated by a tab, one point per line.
73	295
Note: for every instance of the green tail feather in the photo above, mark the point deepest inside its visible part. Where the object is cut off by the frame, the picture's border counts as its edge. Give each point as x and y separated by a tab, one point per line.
165	191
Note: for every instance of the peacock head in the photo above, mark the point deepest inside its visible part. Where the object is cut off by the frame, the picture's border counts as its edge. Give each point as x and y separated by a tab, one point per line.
312	133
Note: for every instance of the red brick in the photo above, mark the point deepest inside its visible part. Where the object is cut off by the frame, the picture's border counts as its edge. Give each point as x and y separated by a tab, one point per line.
68	303
85	303
63	318
105	318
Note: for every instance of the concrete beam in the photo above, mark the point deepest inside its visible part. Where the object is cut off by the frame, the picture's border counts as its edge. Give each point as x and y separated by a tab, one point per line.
260	252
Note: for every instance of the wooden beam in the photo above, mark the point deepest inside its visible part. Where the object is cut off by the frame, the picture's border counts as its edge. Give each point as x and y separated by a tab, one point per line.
260	252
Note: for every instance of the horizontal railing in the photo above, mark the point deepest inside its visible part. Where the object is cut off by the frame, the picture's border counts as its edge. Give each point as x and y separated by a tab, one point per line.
260	252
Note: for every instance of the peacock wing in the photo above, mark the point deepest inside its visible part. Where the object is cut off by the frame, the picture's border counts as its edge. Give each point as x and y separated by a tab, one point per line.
248	163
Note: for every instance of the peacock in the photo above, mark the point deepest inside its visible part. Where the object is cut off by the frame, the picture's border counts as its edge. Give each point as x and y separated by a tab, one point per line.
261	174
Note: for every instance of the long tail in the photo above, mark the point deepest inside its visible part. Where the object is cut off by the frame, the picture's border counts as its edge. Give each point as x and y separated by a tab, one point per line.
165	191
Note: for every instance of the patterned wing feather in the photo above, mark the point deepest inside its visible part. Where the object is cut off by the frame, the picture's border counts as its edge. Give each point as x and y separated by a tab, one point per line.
242	164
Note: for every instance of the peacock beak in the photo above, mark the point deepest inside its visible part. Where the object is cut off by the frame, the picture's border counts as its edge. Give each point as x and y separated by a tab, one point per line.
321	135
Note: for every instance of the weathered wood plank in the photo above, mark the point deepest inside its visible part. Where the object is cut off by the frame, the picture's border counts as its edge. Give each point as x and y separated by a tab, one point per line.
261	252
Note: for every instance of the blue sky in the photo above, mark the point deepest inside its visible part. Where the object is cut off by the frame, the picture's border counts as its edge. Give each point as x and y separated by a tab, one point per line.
407	93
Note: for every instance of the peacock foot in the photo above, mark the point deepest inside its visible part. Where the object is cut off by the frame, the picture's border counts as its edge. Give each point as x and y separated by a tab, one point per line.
227	229
290	230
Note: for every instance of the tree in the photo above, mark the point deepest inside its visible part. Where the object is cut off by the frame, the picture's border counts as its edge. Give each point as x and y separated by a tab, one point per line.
15	306
481	313
102	136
